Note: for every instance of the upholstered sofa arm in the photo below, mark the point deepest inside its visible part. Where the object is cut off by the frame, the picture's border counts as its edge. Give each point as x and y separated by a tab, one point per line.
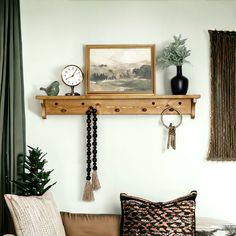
91	224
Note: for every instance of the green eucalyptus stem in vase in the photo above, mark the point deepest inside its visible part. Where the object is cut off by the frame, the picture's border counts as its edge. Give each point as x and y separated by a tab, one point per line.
175	54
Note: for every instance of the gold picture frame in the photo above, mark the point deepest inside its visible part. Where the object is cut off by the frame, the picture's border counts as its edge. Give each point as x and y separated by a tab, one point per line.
120	69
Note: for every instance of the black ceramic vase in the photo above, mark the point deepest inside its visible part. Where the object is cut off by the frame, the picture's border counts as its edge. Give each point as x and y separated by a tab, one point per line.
179	83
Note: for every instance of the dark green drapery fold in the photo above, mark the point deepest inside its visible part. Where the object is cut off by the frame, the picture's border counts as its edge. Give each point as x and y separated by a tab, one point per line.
223	96
12	111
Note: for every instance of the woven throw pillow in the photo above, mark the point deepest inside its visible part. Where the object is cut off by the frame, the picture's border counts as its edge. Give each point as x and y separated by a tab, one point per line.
141	217
35	215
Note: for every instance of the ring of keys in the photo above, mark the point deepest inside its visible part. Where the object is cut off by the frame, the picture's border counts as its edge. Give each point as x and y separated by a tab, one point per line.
171	141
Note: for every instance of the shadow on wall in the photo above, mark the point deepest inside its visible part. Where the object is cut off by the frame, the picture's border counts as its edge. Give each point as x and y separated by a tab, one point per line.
166	78
33	104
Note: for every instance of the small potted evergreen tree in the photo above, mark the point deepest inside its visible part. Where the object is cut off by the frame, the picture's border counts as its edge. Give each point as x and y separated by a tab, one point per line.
175	54
34	178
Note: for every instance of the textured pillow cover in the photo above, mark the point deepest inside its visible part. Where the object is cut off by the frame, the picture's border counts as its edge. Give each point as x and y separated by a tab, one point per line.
141	217
35	215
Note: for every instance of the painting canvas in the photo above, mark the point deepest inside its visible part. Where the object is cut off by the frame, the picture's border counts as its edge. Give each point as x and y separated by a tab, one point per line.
120	69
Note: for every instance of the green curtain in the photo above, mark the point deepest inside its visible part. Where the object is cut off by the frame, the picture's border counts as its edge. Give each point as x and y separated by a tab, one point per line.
12	111
223	96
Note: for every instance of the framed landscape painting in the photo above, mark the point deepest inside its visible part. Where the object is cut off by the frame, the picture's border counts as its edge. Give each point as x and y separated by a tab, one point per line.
120	69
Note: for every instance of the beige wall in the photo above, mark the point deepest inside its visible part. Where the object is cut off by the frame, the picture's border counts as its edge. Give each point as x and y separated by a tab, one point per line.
131	149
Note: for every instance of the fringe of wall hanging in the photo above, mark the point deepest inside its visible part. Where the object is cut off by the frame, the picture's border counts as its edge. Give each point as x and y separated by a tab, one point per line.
223	96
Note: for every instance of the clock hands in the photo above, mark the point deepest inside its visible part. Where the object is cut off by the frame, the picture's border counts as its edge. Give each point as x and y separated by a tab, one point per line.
74	72
71	75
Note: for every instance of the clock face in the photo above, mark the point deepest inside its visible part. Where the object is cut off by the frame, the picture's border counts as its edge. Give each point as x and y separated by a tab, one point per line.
72	75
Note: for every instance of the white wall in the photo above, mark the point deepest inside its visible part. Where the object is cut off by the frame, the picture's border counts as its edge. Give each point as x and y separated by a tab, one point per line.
131	149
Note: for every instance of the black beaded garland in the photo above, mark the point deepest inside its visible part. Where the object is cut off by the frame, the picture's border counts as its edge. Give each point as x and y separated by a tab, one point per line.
91	141
88	113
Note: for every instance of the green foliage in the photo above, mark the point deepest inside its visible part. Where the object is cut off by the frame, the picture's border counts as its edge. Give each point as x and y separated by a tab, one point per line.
174	54
34	179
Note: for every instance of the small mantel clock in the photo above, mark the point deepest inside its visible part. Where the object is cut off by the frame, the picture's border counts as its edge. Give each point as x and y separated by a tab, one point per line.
72	76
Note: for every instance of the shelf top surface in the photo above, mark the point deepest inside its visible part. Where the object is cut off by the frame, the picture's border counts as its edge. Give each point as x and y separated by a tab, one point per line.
106	97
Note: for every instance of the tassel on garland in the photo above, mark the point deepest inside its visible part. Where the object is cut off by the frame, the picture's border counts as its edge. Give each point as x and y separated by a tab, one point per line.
95	181
88	192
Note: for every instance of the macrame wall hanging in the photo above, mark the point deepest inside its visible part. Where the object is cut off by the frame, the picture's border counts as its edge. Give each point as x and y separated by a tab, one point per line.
223	96
92	182
171	141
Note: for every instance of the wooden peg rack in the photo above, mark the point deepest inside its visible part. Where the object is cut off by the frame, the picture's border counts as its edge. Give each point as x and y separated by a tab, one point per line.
117	105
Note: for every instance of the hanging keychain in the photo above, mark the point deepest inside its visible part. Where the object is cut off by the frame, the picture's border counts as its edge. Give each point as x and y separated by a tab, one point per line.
171	142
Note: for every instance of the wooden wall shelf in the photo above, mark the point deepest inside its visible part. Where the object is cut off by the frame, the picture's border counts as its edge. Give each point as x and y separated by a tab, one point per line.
117	105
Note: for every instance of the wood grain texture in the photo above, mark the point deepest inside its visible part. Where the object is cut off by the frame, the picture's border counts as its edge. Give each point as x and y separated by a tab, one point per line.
118	105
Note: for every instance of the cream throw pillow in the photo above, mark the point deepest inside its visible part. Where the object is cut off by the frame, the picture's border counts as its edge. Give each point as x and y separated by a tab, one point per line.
35	215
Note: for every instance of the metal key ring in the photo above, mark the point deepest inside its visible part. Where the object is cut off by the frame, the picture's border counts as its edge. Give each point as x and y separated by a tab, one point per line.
174	109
